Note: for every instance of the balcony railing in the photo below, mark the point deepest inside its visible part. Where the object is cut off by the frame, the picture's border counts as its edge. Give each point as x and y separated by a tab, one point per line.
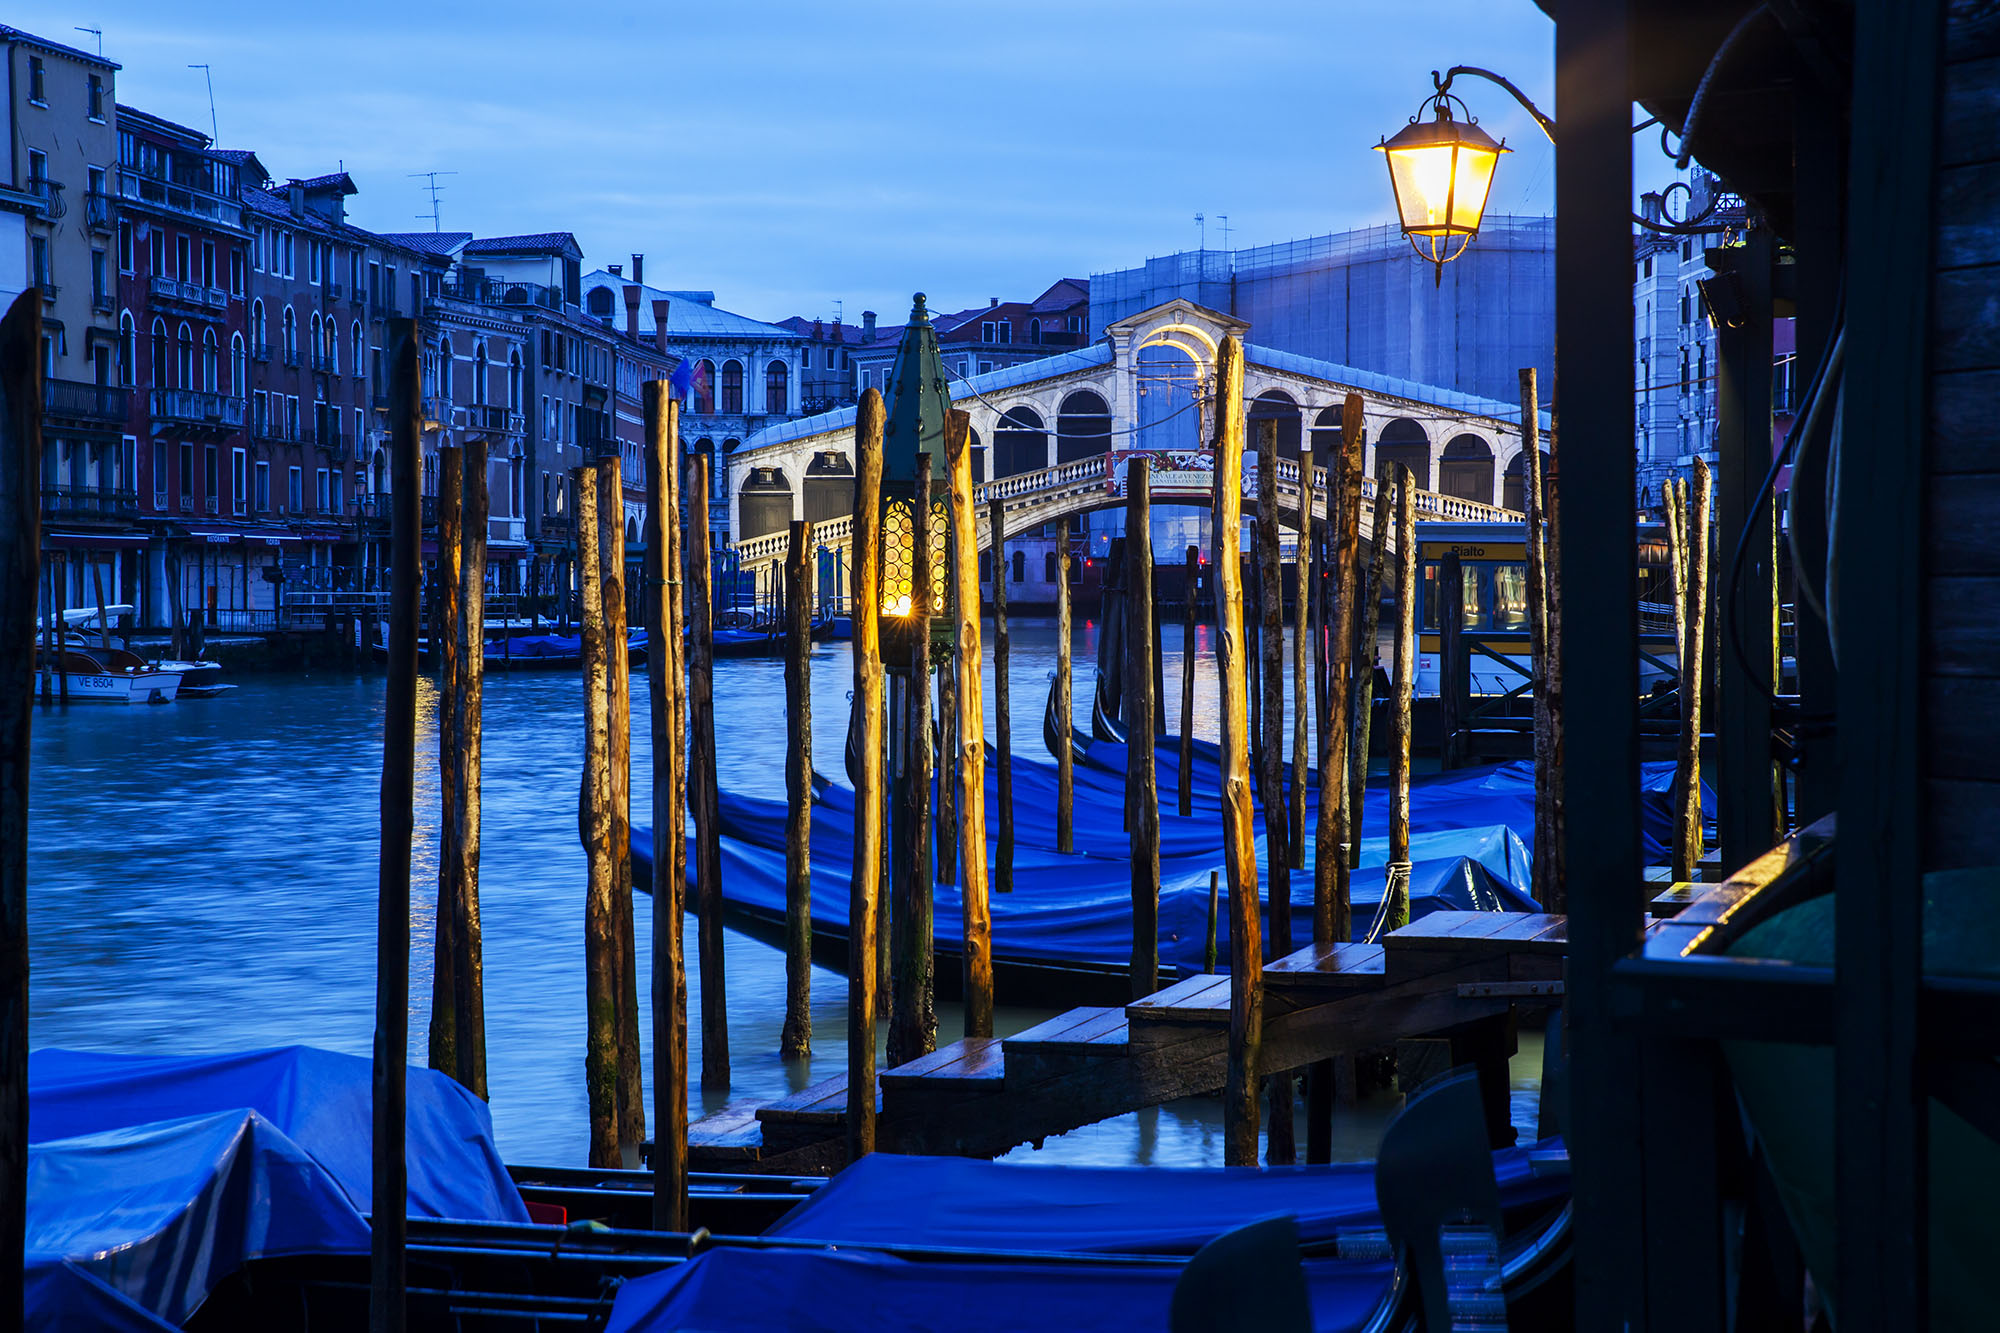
187	292
197	407
187	504
77	401
78	498
97	210
291	356
49	291
332	290
180	198
260	351
489	419
492	291
322	363
49	192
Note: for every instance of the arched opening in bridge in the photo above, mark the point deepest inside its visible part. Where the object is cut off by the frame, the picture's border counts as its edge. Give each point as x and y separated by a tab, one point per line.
1020	443
1466	469
829	486
1083	427
765	503
1169	385
1514	483
1326	436
1404	441
1274	405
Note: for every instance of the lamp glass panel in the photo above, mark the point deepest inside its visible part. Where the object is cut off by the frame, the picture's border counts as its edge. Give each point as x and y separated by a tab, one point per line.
1475	179
897	558
1422	179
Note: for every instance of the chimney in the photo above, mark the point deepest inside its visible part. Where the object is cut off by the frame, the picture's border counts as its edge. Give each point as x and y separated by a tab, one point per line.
617	270
631	312
1651	206
992	301
638	268
660	306
868	326
297	191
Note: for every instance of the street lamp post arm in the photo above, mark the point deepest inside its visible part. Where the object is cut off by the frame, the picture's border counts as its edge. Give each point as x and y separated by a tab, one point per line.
1444	85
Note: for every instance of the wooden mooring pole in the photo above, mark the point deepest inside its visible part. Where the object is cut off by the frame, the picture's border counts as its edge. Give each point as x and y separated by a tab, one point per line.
947	831
1280	1146
1332	905
1396	884
704	795
978	927
1141	774
618	707
468	721
1368	625
1003	703
20	590
1301	662
1550	878
795	1039
1065	756
389	1190
1454	666
864	877
1688	845
1246	958
912	950
600	944
660	610
1532	495
445	619
1190	585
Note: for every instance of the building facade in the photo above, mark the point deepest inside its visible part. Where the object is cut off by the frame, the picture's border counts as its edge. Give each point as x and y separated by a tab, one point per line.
986	338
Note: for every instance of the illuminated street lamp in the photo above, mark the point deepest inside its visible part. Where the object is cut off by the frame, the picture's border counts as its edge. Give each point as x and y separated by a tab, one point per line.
1441	170
914	427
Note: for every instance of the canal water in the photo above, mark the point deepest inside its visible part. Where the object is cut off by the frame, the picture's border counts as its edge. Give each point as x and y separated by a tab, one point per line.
203	879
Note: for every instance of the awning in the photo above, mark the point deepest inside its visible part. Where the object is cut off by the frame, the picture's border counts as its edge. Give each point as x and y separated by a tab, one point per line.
96	541
520	548
214	536
321	535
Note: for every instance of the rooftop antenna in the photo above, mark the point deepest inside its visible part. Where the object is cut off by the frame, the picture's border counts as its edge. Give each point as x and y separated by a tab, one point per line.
214	135
98	33
837	308
434	187
1225	229
1201	225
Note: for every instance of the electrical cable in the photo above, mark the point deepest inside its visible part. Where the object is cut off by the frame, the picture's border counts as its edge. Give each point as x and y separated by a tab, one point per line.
1708	78
1807	430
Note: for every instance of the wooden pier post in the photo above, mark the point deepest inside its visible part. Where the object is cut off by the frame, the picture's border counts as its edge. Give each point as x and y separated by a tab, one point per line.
444	626
468	720
1361	699
618	707
1280	1146
913	948
864	877
1543	850
661	613
103	621
1454	670
1332	906
1190	585
600	943
1003	702
1142	793
971	734
946	831
1396	882
1246	956
60	577
1552	891
1301	662
20	590
795	1040
1688	845
1065	756
704	796
389	1186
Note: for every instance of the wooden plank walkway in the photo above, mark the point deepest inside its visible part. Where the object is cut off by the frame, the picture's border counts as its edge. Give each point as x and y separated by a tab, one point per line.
982	1096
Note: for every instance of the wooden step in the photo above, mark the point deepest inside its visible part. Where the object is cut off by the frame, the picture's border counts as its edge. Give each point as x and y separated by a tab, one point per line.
1328	967
968	1067
1202	998
823	1104
729	1135
1443	941
1088	1030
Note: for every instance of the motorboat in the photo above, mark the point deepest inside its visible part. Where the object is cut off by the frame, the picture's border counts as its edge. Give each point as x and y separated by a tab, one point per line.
199	679
112	676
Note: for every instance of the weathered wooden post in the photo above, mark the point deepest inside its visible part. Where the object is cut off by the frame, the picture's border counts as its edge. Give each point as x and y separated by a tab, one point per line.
468	713
600	944
103	621
1688	848
795	1040
1553	892
1208	940
618	707
1246	955
1190	584
1065	756
20	589
60	575
971	735
445	617
1361	699
1332	909
1454	671
947	829
865	873
1541	662
1396	883
1281	1148
704	796
1003	706
912	951
1141	776
1301	663
660	610
389	1212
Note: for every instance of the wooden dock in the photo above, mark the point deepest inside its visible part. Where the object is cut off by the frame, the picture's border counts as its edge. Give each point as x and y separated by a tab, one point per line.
981	1097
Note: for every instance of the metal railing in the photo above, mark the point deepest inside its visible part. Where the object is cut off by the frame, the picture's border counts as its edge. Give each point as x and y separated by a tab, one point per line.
78	498
291	356
492	291
180	198
97	210
84	402
323	363
198	407
260	351
49	192
488	418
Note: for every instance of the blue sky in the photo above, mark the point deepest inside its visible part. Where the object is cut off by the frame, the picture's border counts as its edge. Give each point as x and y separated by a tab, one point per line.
794	155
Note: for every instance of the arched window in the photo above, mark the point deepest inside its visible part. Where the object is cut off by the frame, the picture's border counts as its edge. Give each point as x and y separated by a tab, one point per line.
479	373
360	361
777	385
1020	444
1048	566
1020	565
1034	330
444	368
1466	469
732	387
184	358
1514	485
128	350
317	345
704	388
1326	432
257	330
1273	405
515	380
291	328
239	366
211	379
159	349
1404	441
332	346
1083	427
